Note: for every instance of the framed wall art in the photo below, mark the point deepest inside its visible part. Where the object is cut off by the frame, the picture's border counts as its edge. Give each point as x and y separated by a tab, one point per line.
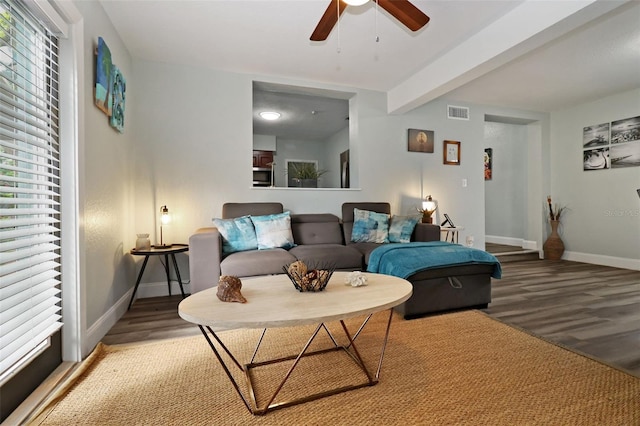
596	159
596	135
110	87
451	153
118	88
102	91
420	140
611	145
488	163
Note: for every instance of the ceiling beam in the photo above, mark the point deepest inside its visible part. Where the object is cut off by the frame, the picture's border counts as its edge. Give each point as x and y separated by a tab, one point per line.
529	26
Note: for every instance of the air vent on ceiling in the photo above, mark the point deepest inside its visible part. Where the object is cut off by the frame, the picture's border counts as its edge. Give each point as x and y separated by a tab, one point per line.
457	112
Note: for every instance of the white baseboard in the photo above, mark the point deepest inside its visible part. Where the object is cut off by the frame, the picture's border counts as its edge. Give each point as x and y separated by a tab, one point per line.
598	259
101	327
510	241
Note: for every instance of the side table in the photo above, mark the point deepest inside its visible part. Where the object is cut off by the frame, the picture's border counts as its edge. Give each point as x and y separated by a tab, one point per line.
160	251
451	233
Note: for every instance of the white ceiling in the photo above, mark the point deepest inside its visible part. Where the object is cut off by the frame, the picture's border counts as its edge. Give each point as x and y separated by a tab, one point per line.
568	58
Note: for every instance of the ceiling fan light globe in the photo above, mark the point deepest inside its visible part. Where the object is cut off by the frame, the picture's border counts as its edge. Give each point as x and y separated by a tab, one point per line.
270	115
355	2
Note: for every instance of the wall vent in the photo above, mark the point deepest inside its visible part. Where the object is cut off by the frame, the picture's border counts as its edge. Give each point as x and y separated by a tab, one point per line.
457	112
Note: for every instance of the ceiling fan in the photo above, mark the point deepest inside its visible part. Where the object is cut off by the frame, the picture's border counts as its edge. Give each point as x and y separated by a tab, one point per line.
402	10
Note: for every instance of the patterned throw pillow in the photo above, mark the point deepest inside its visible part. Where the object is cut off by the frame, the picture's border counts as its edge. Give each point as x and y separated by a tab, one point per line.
273	231
370	227
237	234
401	228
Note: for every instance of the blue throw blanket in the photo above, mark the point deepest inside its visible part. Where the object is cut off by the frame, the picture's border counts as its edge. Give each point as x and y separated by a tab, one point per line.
405	259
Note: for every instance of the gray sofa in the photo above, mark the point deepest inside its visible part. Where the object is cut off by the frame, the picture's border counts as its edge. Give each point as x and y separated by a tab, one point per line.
321	239
325	239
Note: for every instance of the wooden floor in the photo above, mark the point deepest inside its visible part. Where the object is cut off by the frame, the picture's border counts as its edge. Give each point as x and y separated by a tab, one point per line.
589	308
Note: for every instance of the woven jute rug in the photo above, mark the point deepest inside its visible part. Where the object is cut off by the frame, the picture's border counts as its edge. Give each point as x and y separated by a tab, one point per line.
455	369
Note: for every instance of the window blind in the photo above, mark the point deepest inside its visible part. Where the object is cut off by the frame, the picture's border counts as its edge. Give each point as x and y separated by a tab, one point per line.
29	188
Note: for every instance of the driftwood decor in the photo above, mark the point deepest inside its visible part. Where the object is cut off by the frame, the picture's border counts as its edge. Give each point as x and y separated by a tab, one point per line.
306	279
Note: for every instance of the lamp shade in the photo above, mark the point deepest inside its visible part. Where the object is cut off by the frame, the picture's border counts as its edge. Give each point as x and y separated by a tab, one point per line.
429	205
164	215
355	2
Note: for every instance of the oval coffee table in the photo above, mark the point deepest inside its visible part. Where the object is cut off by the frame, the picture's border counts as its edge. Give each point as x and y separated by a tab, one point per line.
272	301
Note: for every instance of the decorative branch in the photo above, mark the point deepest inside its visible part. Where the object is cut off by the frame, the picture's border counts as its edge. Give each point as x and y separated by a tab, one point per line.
554	213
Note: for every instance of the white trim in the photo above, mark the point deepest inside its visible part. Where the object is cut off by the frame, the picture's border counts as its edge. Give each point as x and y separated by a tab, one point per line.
510	241
49	16
71	134
101	327
599	259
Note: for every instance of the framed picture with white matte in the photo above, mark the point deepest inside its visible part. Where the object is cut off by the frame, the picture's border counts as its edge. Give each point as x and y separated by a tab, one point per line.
451	153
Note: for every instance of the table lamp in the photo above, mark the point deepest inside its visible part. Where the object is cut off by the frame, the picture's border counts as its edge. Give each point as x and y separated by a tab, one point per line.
165	218
428	207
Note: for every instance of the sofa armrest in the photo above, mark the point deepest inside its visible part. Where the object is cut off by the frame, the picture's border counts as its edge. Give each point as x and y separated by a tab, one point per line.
426	232
205	254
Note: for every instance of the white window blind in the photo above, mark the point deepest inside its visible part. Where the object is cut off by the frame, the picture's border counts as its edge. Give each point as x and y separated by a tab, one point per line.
29	188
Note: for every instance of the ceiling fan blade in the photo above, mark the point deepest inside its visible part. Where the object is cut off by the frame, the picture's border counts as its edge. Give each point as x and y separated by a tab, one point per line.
405	12
328	20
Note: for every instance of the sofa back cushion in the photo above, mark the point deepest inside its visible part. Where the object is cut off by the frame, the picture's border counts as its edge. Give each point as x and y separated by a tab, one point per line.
316	229
370	227
273	231
232	210
238	234
347	215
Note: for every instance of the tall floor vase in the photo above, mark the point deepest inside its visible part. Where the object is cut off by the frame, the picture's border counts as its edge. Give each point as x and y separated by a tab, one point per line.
553	247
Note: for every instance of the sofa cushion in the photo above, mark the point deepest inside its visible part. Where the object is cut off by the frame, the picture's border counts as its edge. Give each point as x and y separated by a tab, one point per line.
273	231
401	228
336	256
365	249
347	214
370	227
237	234
231	210
316	229
256	262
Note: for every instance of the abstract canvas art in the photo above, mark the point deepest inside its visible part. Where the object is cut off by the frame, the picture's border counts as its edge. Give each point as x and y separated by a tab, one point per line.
488	163
110	87
118	88
103	98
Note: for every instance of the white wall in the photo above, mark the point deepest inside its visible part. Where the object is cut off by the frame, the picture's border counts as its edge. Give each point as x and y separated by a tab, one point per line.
602	224
193	149
506	192
264	142
106	207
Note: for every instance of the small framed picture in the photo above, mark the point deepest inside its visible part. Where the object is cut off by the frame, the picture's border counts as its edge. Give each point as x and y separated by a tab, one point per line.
420	140
451	153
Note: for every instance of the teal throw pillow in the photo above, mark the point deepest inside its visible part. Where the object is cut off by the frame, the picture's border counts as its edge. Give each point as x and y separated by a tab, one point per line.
237	234
273	231
370	227
401	228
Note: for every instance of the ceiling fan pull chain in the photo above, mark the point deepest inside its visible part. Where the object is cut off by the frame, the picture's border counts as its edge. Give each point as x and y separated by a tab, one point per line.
338	19
377	38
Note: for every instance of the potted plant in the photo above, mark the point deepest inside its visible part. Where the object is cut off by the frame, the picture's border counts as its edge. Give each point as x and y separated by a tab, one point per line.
306	174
